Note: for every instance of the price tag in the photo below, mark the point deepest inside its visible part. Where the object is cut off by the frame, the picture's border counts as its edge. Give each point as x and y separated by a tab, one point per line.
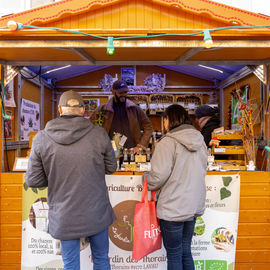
220	150
140	158
123	140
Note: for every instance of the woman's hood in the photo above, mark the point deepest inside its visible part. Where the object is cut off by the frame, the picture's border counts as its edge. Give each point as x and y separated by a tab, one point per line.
188	136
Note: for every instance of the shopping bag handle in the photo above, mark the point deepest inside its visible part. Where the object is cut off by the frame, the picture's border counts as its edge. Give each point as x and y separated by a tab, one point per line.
145	192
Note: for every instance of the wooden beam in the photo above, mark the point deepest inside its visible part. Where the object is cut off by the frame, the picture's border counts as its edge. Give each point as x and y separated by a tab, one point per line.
59	44
1	117
166	87
224	62
238	75
187	55
45	63
84	55
133	62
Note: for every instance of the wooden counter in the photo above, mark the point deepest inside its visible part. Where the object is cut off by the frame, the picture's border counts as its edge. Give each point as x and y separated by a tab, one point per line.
253	242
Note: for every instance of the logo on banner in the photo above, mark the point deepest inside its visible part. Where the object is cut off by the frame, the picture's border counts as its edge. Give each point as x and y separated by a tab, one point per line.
222	239
121	231
153	233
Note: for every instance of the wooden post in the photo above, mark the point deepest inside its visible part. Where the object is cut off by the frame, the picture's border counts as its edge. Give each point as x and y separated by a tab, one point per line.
1	117
266	115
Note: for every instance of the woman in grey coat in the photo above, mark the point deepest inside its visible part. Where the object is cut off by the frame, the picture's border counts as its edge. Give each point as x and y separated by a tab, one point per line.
178	172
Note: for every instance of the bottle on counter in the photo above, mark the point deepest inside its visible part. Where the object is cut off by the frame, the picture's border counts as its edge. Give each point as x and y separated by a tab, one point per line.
148	159
125	158
148	155
132	156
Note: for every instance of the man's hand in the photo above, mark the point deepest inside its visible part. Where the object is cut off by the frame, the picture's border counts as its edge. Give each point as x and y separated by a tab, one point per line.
136	149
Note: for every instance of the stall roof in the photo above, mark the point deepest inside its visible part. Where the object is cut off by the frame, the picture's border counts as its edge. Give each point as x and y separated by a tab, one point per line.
75	32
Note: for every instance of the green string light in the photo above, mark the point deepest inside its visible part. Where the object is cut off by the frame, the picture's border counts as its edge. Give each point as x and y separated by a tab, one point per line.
110	46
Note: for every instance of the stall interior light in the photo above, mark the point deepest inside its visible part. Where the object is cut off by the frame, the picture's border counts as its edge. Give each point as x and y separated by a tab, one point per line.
55	69
215	69
110	46
208	41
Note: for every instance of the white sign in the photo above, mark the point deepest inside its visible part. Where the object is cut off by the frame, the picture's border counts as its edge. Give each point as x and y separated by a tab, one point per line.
220	150
213	244
9	95
30	118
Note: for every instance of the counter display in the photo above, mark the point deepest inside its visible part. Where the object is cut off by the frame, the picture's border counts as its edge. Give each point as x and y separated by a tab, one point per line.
213	244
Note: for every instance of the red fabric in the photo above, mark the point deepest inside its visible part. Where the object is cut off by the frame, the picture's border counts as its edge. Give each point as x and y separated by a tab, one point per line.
147	234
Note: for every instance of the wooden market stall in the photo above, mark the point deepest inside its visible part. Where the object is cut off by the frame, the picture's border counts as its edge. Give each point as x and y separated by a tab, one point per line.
235	42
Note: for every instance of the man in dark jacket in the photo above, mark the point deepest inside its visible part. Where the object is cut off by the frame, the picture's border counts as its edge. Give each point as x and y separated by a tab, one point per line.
121	115
208	121
70	157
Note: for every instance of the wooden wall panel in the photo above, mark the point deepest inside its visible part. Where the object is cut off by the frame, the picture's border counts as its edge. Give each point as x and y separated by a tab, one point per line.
253	242
172	78
137	14
30	92
10	220
47	105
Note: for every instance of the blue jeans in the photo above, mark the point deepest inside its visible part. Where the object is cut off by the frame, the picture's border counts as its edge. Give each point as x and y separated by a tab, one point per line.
177	238
99	244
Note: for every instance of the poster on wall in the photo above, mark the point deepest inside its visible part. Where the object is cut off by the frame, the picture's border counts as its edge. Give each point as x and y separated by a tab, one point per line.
213	243
128	75
30	118
90	106
9	95
235	105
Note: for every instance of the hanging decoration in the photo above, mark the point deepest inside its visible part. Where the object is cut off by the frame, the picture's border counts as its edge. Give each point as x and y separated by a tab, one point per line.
248	116
239	98
106	83
155	82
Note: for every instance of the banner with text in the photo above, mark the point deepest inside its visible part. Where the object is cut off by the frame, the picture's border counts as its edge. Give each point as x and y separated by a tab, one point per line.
213	244
29	119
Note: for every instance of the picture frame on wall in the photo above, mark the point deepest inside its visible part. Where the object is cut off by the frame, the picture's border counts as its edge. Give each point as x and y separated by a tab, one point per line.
90	105
20	164
128	75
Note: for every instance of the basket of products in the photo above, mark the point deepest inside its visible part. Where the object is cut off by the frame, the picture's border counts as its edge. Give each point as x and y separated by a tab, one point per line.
141	100
159	102
189	102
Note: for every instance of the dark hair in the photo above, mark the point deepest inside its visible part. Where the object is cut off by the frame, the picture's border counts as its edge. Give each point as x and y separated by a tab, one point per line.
177	116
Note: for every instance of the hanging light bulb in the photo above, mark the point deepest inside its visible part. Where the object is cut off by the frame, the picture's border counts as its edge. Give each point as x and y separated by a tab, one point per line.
110	47
208	41
14	26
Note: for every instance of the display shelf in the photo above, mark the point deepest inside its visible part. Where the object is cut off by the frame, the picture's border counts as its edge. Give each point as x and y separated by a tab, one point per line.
237	151
229	150
230	165
236	136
